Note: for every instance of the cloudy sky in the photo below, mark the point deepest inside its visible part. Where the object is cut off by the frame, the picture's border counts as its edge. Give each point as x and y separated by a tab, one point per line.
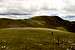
29	8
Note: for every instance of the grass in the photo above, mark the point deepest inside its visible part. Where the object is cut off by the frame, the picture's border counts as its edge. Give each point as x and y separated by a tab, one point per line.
20	39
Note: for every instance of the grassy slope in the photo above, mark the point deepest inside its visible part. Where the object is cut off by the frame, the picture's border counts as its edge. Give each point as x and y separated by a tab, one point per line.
21	39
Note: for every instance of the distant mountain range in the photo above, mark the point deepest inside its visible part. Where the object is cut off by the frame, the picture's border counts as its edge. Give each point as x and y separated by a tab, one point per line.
70	18
53	22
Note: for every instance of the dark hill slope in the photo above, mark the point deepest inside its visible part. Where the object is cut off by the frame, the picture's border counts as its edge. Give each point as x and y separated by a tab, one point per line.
70	26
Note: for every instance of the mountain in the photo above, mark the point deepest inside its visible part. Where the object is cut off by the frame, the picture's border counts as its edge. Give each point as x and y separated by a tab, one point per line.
53	22
70	18
37	21
47	21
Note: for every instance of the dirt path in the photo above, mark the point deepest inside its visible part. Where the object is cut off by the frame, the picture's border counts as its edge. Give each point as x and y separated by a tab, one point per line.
30	28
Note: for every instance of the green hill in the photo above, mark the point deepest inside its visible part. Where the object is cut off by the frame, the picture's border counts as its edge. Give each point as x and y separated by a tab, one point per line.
38	21
53	22
48	21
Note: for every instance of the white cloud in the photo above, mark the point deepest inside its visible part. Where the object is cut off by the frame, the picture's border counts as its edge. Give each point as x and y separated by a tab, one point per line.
69	8
38	7
31	4
28	4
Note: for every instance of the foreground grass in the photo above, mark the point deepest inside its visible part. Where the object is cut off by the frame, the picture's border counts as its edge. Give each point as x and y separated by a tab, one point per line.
27	39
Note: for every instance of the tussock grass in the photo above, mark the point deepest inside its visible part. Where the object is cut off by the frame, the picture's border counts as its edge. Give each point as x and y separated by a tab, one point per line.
20	39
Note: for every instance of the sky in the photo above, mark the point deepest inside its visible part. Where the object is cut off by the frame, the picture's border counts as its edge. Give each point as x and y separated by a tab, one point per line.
30	8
